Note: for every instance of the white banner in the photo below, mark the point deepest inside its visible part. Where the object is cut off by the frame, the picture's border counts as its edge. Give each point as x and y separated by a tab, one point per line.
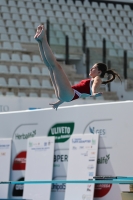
5	159
113	123
39	166
82	166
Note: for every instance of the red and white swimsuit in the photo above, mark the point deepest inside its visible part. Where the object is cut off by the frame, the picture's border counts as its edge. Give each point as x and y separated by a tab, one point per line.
82	89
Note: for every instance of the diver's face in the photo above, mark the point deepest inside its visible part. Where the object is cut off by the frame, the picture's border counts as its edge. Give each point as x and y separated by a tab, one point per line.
94	71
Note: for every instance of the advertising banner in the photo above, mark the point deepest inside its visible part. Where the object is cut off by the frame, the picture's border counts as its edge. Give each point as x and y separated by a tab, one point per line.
82	164
111	121
39	166
5	161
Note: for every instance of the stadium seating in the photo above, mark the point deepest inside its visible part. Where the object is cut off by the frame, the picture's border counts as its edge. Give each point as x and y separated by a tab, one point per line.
19	52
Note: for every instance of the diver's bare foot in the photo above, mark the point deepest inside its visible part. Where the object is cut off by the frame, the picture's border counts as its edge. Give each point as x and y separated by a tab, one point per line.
40	33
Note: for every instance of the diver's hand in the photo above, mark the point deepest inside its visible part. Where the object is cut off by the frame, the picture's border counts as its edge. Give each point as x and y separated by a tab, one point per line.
96	94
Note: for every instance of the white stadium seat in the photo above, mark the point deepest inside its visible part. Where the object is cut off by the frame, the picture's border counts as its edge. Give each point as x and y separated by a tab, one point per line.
70	3
112	52
109	45
126	46
3	82
11	94
33	94
111	6
12	82
110	18
7	45
113	25
32	11
17	46
5	57
24	39
24	83
64	8
36	59
23	11
126	20
95	5
120	52
123	13
113	38
14	69
19	24
96	37
121	26
38	5
126	33
129	26
15	57
122	38
21	4
15	17
3	30
46	84
90	43
105	25
4	37
81	10
3	3
58	14
25	18
78	4
114	13
118	32
35	83
119	7
118	19
34	18
98	11
29	4
109	31
131	64
3	69
45	95
26	58
9	23
45	71
22	94
86	3
14	38
76	16
73	9
106	12
130	39
24	70
101	18
35	71
100	31
14	10
21	31
99	44
12	3
103	5
93	17
90	10
40	12
28	25
127	8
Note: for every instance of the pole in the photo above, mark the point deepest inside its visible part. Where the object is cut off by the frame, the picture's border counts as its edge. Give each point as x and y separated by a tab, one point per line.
87	62
67	50
104	50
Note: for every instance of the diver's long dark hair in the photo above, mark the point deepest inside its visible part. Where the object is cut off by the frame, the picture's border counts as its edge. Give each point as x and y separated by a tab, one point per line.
104	70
